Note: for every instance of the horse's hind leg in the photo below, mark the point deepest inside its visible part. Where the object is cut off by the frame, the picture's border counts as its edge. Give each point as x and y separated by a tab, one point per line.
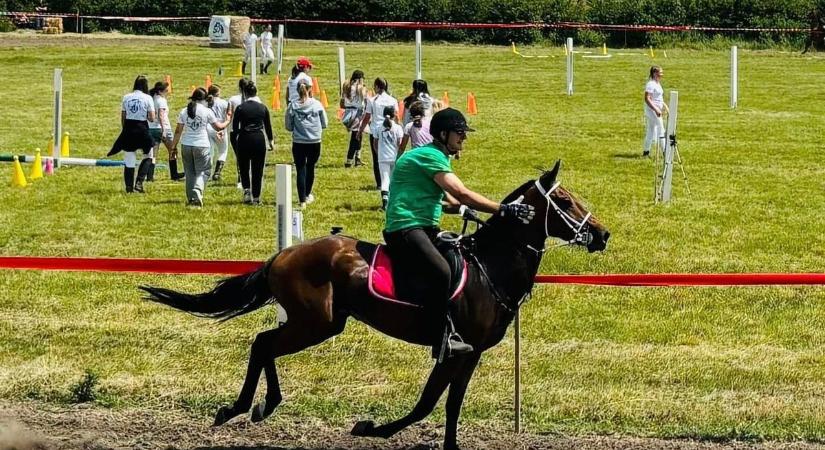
293	337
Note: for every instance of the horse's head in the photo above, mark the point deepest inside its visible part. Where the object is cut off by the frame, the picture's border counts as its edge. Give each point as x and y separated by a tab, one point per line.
559	213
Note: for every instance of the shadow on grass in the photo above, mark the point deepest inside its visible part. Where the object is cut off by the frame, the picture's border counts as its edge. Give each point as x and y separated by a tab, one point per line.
328	447
635	155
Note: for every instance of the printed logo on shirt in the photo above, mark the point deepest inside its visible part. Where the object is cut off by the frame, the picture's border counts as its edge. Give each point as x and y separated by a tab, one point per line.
134	105
194	124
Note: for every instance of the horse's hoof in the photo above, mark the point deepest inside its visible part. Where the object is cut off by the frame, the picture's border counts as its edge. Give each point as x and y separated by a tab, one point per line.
224	414
363	428
259	412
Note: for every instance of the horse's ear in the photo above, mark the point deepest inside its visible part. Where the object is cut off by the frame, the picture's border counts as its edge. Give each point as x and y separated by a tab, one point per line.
548	178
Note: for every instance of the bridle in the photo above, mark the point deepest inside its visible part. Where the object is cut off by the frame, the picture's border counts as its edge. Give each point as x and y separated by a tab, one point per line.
580	229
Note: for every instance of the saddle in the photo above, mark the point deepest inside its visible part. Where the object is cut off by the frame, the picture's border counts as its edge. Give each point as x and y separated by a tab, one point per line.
382	282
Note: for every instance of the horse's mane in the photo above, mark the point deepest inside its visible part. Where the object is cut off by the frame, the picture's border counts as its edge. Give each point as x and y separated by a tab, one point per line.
510	198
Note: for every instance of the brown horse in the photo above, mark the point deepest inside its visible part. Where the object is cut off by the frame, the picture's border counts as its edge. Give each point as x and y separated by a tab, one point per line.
322	282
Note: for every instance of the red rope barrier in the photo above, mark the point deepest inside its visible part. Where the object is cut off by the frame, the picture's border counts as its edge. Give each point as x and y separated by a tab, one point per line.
171	266
183	266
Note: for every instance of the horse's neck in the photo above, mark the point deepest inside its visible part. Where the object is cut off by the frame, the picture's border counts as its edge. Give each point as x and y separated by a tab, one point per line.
509	263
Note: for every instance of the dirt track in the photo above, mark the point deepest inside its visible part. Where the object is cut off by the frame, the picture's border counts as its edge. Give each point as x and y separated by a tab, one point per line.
30	426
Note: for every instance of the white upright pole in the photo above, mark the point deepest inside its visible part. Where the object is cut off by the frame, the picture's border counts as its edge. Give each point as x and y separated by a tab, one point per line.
517	376
417	54
342	71
670	134
569	66
280	47
58	114
283	200
734	76
254	70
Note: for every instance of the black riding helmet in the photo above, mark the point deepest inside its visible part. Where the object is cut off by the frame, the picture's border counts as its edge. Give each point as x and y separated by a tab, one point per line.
448	119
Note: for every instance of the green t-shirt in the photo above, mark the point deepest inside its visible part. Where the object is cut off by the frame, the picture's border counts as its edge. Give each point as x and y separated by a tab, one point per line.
415	197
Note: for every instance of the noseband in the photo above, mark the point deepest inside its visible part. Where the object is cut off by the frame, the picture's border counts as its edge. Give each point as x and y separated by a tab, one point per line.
580	229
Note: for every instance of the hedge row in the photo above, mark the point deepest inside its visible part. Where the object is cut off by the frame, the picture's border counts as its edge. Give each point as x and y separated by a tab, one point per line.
712	13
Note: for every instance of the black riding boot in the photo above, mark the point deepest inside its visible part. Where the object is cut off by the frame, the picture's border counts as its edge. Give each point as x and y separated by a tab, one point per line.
266	67
218	170
261	68
173	170
142	172
151	175
243	68
129	178
451	343
385	198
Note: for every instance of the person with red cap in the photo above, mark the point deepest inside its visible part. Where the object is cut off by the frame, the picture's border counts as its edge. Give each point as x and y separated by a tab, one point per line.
300	74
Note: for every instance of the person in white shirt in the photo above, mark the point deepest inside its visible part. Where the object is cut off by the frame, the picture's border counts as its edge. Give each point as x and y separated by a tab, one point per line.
417	131
655	108
420	93
267	55
191	132
137	110
353	102
300	74
374	117
250	45
161	131
388	143
218	140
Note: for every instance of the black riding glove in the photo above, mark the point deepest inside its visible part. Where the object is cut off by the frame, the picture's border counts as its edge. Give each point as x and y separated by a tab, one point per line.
520	211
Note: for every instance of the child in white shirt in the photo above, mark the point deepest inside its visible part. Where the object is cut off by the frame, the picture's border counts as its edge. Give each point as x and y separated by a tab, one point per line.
388	142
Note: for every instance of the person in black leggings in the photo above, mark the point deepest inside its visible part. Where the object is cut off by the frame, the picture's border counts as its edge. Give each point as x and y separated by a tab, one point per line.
251	133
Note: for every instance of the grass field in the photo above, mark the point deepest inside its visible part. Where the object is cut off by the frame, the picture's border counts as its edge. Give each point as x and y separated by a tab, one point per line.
720	363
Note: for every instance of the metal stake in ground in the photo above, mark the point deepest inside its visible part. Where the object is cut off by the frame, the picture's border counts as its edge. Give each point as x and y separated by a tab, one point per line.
57	129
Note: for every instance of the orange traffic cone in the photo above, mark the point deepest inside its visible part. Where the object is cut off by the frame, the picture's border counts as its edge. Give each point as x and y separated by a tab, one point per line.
316	88
168	80
446	99
472	109
324	100
208	81
276	100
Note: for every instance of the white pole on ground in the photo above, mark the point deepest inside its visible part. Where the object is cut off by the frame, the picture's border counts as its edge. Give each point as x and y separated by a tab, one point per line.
283	201
342	71
254	71
670	149
57	128
280	47
517	376
569	66
417	54
734	76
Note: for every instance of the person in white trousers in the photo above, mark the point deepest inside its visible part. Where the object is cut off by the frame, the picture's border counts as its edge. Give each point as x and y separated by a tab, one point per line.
267	54
655	109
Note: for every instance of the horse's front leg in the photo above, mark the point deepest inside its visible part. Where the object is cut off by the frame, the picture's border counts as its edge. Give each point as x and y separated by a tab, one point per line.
458	387
440	377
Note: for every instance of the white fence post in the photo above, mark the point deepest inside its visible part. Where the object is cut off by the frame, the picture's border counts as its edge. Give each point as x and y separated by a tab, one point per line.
418	54
569	66
342	72
280	47
57	128
670	149
734	76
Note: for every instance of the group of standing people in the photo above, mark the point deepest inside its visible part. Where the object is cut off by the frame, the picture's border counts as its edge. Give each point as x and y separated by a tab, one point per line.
266	56
200	130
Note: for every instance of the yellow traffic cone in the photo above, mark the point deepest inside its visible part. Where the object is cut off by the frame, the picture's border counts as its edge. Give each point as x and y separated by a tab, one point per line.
37	167
604	49
652	55
50	146
17	177
64	146
239	69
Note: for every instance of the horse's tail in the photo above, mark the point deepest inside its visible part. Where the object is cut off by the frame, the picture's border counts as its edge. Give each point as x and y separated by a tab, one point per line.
230	298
